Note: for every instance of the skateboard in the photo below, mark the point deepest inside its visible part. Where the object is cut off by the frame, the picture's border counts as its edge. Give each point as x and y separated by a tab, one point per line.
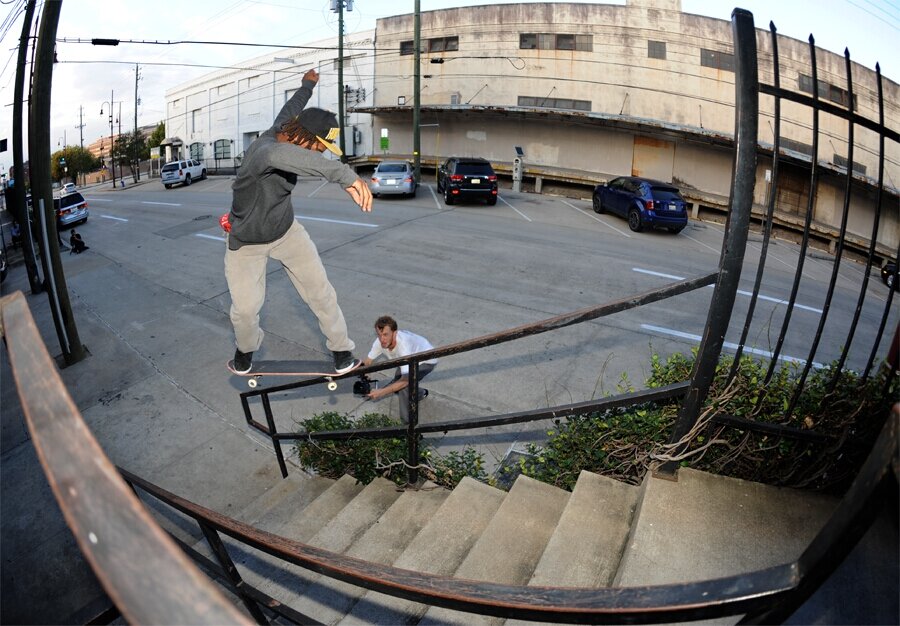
289	368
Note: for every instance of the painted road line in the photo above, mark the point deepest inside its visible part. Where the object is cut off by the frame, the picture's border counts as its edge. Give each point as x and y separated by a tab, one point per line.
435	196
330	221
317	189
160	203
118	219
740	291
514	208
205	236
93	199
594	217
729	345
700	242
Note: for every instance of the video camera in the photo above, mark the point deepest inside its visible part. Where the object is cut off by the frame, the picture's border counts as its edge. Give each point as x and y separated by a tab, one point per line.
363	386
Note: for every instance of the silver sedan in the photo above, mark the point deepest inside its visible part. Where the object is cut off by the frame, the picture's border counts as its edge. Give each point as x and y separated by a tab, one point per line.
393	177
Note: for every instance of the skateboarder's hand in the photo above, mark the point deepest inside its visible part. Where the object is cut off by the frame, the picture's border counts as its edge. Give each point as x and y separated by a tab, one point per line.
375	394
312	75
361	194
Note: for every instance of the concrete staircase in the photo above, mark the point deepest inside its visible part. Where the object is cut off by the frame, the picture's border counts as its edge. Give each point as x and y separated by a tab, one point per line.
604	533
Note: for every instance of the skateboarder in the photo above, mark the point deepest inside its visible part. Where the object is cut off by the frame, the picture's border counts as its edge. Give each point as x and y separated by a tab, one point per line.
261	225
393	344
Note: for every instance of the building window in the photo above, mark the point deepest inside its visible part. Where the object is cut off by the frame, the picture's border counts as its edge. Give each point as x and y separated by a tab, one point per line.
443	44
197	151
796	146
195	117
556	41
717	60
554	103
656	49
827	91
841	161
222	149
406	47
454	98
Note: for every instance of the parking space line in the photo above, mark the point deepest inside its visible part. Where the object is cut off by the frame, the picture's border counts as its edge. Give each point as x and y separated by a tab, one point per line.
514	208
317	189
701	243
118	219
740	291
594	217
330	221
161	203
727	344
435	196
93	199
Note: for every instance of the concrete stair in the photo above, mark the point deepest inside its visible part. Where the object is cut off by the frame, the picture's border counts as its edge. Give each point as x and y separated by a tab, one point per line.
604	533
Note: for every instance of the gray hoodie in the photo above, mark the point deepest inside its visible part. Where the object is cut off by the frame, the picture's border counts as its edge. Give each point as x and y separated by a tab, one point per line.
261	209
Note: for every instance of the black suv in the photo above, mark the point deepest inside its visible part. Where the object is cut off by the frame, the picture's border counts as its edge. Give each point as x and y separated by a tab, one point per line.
467	177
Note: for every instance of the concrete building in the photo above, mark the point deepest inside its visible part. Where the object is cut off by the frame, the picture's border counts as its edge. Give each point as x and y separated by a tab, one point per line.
587	92
216	117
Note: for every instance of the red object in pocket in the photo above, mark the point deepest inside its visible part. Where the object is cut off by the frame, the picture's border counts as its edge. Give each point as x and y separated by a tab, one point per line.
225	223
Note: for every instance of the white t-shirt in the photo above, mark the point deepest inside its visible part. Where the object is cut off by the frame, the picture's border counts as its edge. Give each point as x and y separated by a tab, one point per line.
406	343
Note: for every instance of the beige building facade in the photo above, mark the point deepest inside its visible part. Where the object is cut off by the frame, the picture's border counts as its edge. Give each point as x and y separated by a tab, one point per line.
594	91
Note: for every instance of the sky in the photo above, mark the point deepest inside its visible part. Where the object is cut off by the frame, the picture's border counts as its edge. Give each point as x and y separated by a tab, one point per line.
88	77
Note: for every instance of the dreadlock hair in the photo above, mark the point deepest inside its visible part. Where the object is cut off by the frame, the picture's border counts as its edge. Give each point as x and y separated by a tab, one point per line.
296	133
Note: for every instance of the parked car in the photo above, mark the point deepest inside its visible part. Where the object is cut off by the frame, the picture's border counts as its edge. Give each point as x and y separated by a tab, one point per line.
644	202
70	208
393	177
68	188
889	275
185	172
464	178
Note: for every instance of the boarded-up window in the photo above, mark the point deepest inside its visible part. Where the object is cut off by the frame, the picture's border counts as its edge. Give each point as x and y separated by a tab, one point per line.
656	49
717	60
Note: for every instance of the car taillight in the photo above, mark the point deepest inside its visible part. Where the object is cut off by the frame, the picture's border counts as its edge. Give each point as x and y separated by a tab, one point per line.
492	177
456	177
374	180
408	179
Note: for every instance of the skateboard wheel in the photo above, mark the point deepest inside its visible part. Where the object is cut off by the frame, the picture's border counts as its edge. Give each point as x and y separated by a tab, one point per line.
332	386
252	383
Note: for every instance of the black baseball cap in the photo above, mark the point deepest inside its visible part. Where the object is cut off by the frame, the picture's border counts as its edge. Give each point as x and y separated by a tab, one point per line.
323	124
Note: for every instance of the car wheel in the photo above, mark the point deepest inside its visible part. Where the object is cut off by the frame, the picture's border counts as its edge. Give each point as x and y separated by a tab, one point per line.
440	188
634	220
412	194
492	200
448	197
598	205
168	186
187	180
889	280
203	175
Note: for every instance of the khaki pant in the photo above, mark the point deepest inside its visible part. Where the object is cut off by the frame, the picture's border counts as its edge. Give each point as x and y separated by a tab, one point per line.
245	271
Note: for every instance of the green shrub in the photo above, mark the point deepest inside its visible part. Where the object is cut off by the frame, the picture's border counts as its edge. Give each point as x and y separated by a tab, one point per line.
364	459
625	443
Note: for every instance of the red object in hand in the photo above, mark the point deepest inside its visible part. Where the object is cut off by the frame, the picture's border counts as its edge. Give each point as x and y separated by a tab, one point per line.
225	223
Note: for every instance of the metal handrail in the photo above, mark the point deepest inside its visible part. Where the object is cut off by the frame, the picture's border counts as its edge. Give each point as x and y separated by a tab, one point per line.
127	550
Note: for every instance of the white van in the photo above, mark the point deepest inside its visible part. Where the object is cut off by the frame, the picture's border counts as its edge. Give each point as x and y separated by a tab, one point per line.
185	172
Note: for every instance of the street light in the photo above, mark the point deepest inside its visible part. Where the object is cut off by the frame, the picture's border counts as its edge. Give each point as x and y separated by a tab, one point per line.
112	151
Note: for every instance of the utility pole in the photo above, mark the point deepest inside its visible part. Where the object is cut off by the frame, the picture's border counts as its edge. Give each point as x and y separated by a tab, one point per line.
80	126
338	5
136	158
18	204
42	194
119	122
417	40
112	150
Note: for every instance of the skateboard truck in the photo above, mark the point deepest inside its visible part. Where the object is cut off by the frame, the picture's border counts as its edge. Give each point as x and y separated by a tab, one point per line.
253	381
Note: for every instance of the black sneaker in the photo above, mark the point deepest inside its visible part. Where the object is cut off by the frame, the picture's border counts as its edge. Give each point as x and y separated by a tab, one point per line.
423	393
344	362
242	362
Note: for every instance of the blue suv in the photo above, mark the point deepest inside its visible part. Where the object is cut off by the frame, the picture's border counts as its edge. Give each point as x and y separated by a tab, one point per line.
644	202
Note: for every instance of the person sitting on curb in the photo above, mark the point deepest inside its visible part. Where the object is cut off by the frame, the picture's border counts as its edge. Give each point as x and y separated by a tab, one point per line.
394	344
77	243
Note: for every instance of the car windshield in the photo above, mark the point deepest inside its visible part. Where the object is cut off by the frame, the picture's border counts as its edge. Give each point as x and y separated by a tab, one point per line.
665	193
474	169
391	168
170	167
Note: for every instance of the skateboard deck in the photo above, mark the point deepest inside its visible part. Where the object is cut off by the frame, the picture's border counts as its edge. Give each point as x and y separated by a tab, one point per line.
297	369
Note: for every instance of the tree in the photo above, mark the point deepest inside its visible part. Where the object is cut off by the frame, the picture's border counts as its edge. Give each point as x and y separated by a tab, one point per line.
157	136
131	148
72	161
